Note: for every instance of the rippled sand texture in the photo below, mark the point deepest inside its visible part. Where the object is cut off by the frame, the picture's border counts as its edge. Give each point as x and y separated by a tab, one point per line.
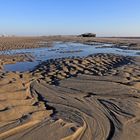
19	108
99	101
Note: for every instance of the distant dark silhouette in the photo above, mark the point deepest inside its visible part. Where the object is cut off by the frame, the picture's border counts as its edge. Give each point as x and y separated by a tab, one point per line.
88	35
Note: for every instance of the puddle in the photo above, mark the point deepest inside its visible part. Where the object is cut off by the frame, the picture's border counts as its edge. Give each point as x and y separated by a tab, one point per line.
21	66
63	50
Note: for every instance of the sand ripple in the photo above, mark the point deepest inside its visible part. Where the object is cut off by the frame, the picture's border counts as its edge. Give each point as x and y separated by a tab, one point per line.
100	104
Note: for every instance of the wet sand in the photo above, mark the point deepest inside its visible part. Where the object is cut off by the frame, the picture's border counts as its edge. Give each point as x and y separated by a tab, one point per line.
96	97
9	43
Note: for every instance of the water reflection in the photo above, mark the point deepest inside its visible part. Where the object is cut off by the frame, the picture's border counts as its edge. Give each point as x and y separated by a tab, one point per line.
63	50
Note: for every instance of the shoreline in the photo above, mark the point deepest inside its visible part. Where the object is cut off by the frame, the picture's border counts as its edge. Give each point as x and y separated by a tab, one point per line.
72	98
25	57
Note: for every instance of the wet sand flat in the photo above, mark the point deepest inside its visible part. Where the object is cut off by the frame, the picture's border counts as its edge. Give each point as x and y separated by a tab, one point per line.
9	43
94	97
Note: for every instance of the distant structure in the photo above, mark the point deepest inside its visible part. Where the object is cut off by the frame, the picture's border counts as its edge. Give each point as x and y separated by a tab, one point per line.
87	35
2	35
5	35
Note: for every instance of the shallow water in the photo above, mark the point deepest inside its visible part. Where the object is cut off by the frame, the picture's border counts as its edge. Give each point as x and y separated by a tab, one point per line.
63	50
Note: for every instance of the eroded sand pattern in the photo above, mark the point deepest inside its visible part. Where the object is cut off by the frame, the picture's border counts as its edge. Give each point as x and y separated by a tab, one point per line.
52	71
96	97
19	108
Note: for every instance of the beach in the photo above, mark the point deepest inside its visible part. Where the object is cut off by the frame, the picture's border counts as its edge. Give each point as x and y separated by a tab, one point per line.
81	97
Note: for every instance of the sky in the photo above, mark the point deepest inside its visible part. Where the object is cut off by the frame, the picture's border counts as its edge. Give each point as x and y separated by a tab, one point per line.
70	17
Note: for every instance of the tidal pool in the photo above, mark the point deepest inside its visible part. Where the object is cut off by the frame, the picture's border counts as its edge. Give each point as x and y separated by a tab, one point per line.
63	50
